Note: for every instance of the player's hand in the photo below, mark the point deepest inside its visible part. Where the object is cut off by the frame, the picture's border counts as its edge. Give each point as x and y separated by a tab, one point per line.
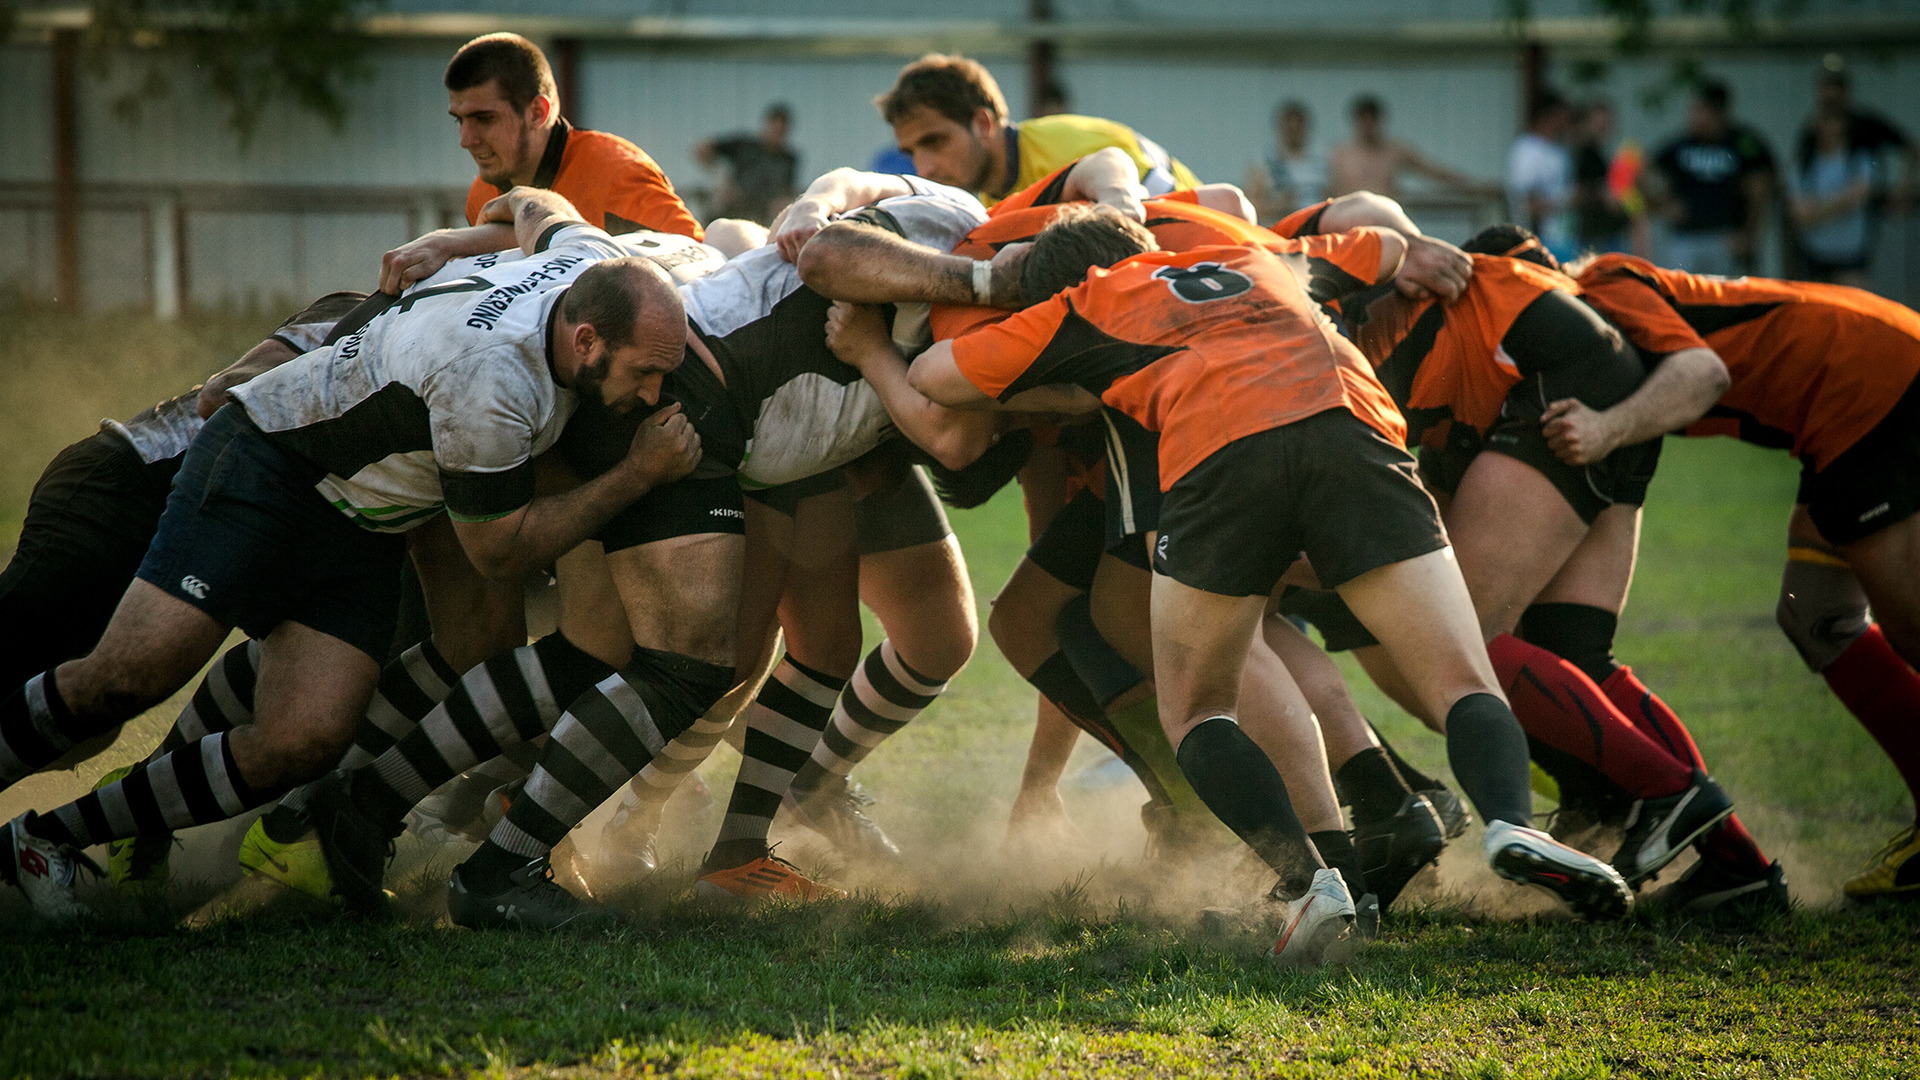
216	391
665	448
1006	275
797	226
1433	268
1129	199
1576	434
415	260
855	332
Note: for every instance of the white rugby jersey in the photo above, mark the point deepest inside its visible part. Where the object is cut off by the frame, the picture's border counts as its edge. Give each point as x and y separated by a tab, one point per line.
439	401
808	412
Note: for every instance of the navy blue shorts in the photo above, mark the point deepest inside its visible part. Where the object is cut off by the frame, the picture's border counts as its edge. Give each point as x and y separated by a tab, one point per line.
246	539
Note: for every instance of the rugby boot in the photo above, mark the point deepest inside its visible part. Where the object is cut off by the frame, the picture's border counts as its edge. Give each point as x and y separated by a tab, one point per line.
1710	886
45	871
1322	916
627	842
1392	850
1594	890
1893	871
1454	815
299	864
529	900
1658	830
768	875
353	841
138	861
837	810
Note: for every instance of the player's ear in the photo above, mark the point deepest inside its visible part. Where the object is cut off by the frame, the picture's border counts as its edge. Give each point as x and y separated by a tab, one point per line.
540	110
584	339
985	123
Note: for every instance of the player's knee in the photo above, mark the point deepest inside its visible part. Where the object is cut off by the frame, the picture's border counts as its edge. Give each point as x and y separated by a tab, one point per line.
939	651
1822	610
1024	636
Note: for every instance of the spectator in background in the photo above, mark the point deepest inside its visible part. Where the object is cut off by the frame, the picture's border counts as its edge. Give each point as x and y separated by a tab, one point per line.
1866	131
1291	177
1373	162
1053	100
761	169
1609	212
1829	195
1540	175
1716	178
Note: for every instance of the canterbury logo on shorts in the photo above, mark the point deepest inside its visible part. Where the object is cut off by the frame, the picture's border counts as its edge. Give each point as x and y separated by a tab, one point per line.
194	587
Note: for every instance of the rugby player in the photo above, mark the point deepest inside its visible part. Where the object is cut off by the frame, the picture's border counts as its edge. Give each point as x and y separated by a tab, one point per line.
1827	372
1476	378
287	515
777	413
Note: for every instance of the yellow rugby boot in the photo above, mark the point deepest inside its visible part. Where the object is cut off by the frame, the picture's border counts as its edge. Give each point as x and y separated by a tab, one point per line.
1893	871
297	864
137	861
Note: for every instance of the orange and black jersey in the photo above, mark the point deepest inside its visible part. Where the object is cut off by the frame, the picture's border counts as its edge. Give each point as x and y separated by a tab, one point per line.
613	183
1332	267
1203	346
1813	367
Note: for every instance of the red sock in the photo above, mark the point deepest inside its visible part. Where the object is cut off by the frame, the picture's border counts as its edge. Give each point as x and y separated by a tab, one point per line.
1560	706
1728	842
1883	692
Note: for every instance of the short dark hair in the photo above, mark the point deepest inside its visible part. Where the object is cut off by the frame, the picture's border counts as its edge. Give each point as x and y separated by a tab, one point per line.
1837	78
1367	103
953	86
778	109
610	297
1081	236
1291	107
1714	94
1513	241
516	63
1545	102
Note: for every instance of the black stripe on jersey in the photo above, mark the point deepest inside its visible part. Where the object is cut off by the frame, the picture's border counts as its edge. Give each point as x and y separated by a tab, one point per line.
549	169
391	420
1080	352
1057	192
1751	430
483	496
546	237
1400	367
1707	318
1311	226
329	309
359	316
878	218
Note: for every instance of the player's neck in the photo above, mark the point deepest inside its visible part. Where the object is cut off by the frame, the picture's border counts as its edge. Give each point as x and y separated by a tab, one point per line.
536	153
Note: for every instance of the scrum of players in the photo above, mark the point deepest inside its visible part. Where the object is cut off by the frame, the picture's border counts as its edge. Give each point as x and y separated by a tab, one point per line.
719	449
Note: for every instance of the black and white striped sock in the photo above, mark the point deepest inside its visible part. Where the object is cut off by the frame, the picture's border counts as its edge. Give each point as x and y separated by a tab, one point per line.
223	700
883	697
194	785
514	697
783	729
36	728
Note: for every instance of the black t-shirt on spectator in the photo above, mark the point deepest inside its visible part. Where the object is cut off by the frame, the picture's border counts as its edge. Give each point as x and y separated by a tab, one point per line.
1706	175
761	174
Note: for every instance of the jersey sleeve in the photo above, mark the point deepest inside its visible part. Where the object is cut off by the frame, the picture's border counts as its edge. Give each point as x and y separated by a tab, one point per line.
313	325
1338	264
1049	190
479	193
636	191
1642	315
482	417
578	237
939	220
949	321
1304	221
995	357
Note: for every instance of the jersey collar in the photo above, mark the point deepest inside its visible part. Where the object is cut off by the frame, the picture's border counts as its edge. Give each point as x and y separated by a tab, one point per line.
1013	163
549	169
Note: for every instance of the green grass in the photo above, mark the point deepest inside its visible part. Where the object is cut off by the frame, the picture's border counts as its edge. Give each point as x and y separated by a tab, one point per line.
978	962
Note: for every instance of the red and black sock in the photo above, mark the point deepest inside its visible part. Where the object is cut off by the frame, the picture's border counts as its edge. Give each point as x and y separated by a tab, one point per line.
1882	691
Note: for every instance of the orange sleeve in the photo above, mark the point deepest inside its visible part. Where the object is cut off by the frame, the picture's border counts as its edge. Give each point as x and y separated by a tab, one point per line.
637	190
994	357
949	321
1306	216
1641	313
1355	252
1045	190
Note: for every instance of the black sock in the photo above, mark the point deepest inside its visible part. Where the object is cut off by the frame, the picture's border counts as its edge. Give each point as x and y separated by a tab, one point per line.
1336	850
1580	634
1488	752
1416	780
486	870
1373	787
285	824
1234	777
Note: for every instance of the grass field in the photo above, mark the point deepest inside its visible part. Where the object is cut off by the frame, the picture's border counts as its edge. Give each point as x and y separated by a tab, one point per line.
975	961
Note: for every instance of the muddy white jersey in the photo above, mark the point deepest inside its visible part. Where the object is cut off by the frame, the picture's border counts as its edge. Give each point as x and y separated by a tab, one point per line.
806	411
439	401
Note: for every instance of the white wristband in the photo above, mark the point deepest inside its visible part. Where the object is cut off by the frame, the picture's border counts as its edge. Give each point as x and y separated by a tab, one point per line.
983	282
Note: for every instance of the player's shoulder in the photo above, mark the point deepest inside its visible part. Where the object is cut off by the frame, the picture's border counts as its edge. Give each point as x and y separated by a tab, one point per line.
606	155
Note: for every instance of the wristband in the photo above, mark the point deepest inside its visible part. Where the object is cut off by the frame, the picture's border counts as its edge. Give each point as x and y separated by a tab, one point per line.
983	282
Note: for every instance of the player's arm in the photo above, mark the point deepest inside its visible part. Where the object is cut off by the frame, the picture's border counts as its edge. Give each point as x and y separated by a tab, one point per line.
862	264
1111	177
313	326
936	374
1432	267
833	193
505	545
417	260
260	359
1678	392
1228	199
955	437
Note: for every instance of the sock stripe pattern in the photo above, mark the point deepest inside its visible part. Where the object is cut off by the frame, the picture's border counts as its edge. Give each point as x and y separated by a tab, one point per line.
783	727
883	697
504	702
409	688
607	735
222	702
35	729
196	784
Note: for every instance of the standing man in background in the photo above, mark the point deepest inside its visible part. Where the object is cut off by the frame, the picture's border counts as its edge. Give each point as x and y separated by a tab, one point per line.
1540	175
1291	177
500	91
1718	178
762	169
1373	162
948	114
